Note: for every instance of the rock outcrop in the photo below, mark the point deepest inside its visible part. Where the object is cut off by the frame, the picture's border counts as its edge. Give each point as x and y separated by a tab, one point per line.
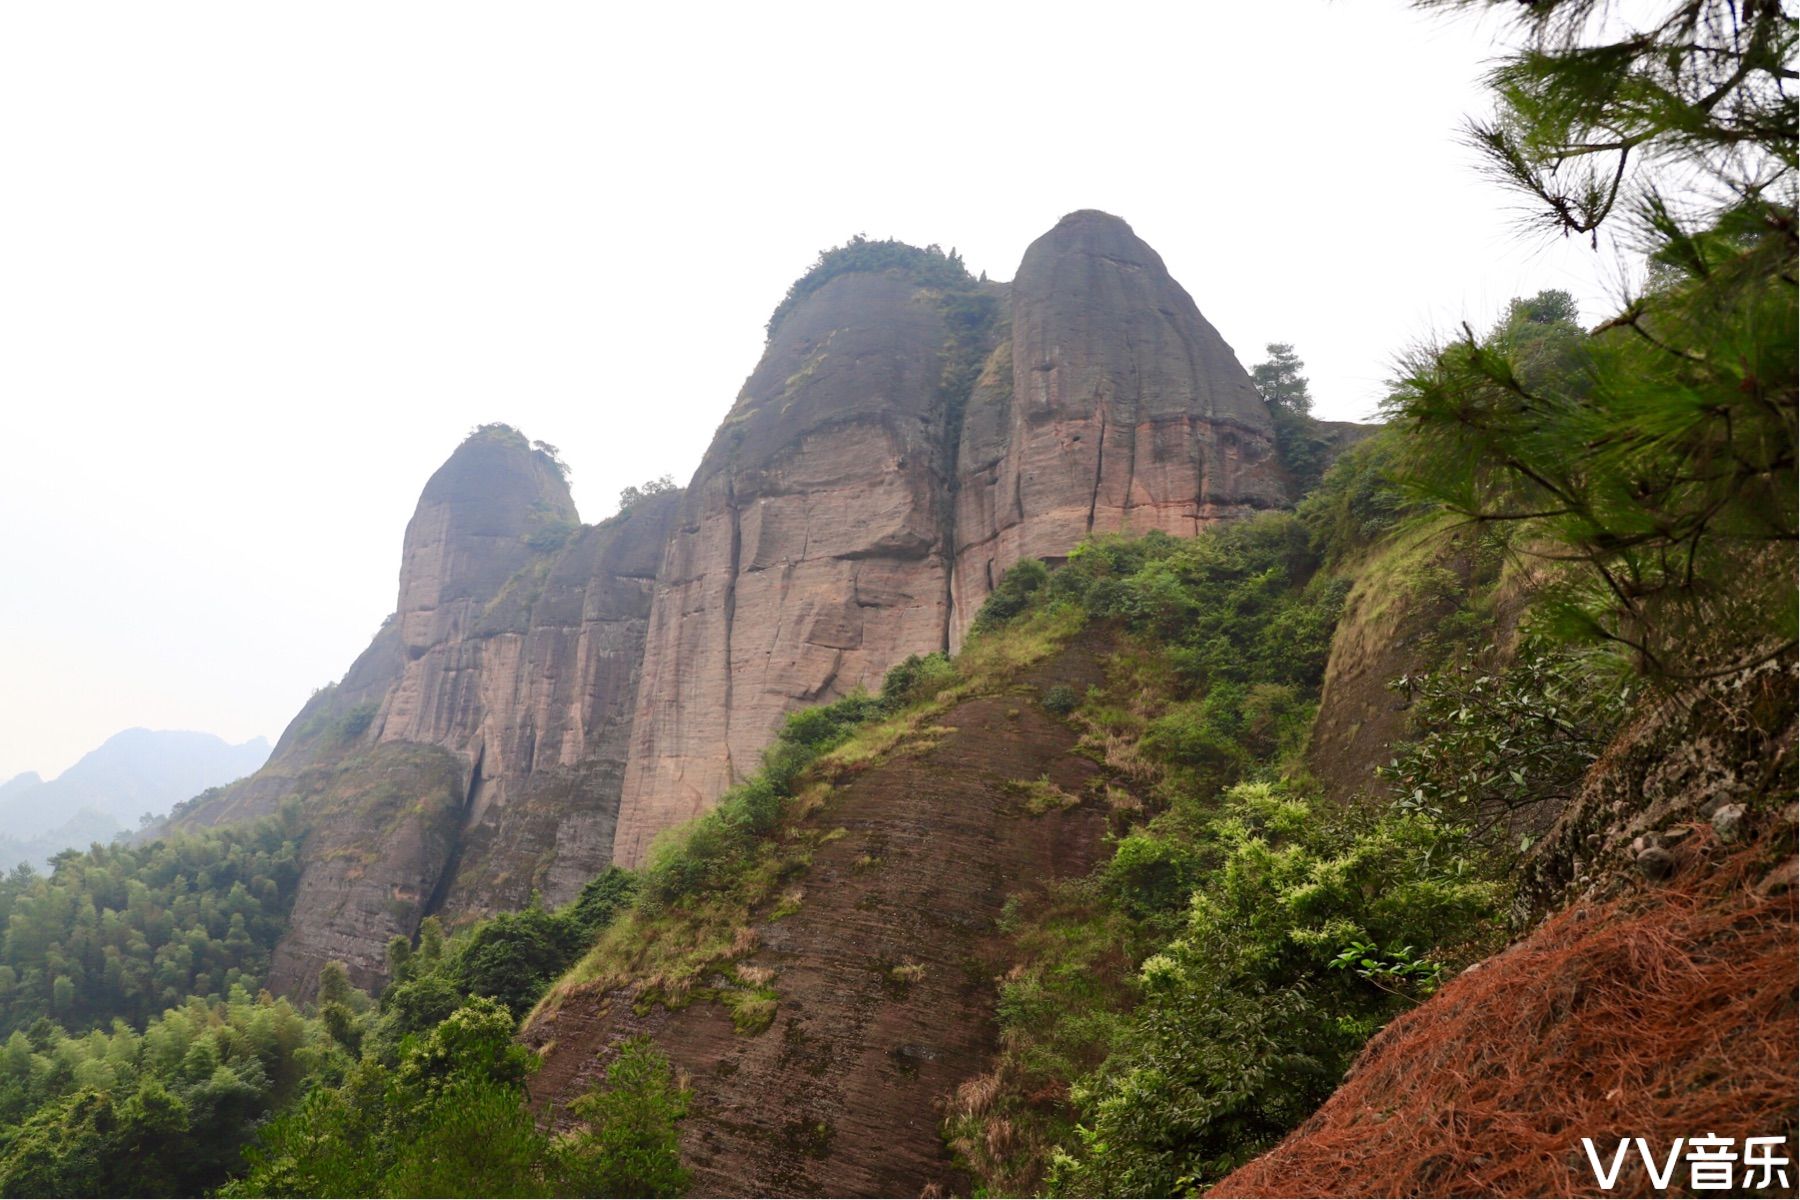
514	656
810	555
909	434
860	502
1114	407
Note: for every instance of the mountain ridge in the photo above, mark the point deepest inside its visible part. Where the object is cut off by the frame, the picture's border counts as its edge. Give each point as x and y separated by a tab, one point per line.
106	791
909	433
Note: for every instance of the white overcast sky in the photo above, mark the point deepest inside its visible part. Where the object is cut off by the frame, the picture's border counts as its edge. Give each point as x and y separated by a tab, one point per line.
262	266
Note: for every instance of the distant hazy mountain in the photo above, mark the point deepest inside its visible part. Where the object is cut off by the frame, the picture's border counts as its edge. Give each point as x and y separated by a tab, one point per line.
132	773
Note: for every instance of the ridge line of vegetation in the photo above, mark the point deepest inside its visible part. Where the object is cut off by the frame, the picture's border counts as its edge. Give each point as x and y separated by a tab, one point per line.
928	266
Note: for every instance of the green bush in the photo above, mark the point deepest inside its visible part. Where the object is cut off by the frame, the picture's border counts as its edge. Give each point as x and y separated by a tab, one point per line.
447	1116
710	849
1012	595
510	958
1357	502
1507	747
917	677
1150	875
1245	1025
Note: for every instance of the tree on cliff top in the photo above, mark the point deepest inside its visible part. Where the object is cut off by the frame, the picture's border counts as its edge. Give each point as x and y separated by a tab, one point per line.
635	494
930	267
1284	390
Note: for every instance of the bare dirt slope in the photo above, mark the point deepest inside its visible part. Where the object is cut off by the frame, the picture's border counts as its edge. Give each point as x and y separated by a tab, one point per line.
885	973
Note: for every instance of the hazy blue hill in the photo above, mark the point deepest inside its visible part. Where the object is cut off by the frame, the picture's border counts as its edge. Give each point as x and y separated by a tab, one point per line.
20	784
131	773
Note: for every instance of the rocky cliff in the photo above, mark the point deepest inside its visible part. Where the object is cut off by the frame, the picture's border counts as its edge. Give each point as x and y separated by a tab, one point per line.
497	700
910	433
884	953
902	443
810	554
1113	406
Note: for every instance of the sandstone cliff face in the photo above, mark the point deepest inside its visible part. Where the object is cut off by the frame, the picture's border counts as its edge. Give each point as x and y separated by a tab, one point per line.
809	556
1116	408
496	702
522	659
383	831
908	435
854	508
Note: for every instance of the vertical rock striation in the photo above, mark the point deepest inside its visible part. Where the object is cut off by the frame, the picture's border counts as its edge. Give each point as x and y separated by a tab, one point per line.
809	556
474	753
854	509
572	691
1116	408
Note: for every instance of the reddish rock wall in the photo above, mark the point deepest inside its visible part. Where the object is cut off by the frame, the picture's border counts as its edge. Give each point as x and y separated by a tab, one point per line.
1121	410
596	686
853	511
473	755
809	557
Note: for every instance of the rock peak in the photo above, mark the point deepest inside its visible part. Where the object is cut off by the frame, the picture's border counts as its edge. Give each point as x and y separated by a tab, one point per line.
1093	216
495	460
472	529
1088	231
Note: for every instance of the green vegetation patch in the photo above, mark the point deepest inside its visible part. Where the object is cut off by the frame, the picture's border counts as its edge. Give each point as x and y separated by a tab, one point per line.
122	932
446	1114
929	267
1197	995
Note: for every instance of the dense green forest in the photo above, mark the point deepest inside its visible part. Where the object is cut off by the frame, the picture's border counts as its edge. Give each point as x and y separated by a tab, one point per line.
371	1091
115	1112
123	932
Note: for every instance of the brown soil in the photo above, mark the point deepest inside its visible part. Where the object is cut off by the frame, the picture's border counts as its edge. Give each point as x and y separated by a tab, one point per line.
839	1096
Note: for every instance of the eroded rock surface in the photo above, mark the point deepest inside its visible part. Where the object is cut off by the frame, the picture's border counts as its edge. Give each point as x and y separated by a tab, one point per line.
909	434
854	508
809	555
885	972
473	754
1116	408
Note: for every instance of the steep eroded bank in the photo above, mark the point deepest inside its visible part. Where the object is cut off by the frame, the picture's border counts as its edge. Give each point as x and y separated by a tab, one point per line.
885	972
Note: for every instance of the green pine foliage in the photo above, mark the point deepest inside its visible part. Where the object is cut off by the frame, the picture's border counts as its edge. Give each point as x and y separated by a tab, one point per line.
123	932
1656	451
